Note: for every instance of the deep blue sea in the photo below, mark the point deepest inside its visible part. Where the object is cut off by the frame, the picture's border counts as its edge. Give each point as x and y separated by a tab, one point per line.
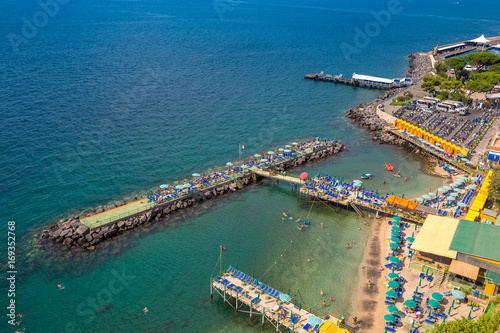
100	100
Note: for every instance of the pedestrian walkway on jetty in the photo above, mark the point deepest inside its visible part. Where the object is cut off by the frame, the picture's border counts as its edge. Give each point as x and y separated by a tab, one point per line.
246	294
200	184
364	81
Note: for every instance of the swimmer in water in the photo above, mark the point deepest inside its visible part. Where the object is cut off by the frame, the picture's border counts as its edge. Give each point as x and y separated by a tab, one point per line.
284	214
347	246
60	286
359	228
309	259
322	225
321	292
298	220
145	310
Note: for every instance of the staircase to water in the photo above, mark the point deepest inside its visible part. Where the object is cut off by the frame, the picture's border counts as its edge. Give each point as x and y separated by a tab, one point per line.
356	209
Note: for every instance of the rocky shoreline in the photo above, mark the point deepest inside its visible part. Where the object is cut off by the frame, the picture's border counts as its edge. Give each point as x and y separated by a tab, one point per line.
72	233
366	114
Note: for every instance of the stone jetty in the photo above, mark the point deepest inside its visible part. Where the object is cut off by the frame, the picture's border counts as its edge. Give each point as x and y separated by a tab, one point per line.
72	233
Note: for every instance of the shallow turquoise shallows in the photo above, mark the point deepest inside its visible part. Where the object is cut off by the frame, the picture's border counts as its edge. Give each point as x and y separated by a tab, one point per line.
101	100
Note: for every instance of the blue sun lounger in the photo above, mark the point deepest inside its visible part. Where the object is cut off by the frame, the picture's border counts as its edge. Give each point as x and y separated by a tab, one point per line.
307	327
294	320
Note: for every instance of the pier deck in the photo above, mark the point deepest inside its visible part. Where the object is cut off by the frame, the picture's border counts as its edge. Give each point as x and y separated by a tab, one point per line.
338	79
143	205
254	298
276	176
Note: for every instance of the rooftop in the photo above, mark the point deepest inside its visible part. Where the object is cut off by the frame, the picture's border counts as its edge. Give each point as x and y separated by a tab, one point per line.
477	239
495	142
436	235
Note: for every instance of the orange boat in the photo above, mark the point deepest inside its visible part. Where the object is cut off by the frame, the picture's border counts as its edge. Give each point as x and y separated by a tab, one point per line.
389	167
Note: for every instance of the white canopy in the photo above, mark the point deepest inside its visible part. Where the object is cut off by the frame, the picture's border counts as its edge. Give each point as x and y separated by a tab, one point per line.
480	40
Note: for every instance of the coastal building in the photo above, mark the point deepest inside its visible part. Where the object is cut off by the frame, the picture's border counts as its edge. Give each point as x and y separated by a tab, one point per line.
380	81
494	149
467	253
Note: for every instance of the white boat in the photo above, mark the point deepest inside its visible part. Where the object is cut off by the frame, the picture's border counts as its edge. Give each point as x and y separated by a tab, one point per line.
366	176
497	47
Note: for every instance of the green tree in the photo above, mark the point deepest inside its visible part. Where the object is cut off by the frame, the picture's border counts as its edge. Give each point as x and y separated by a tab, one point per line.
494	187
408	95
482	59
478	86
487	323
491	77
494	68
430	82
457	63
441	67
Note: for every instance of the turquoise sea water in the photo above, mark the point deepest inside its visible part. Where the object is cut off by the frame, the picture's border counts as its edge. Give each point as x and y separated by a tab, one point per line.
105	99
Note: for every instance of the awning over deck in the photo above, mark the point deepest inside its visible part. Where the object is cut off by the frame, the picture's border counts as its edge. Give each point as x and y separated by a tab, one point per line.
463	269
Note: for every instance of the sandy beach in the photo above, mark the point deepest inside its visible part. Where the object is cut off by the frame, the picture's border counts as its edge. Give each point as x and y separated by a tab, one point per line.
368	305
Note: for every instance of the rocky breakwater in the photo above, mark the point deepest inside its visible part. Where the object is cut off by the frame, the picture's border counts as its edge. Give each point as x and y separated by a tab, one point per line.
335	149
366	115
72	233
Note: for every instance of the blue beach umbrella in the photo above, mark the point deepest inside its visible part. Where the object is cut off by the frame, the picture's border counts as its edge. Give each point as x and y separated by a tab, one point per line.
288	146
287	151
285	297
432	194
270	152
396	218
451	198
281	149
295	143
474	178
472	186
179	187
457	190
458	294
463	177
425	196
447	188
313	320
245	166
462	204
441	189
339	188
395	228
454	194
164	186
264	160
229	164
257	155
196	175
420	200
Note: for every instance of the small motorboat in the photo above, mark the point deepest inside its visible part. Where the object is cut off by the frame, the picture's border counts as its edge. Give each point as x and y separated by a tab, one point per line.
497	47
397	174
366	176
389	167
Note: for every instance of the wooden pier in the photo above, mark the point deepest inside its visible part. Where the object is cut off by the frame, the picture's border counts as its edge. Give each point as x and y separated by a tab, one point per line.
248	295
340	79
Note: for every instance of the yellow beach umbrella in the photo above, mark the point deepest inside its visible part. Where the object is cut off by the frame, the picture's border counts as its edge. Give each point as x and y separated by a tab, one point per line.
329	327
